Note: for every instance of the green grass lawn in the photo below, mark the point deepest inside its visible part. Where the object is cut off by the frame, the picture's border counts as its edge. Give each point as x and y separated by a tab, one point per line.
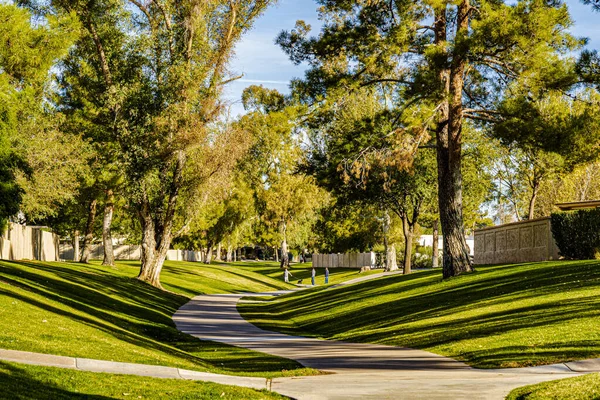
500	316
25	382
585	387
104	313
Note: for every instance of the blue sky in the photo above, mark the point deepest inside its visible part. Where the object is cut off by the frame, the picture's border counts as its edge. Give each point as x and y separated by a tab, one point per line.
262	62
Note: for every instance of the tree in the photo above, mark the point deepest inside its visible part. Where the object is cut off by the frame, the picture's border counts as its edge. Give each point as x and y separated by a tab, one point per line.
354	156
27	54
548	135
163	67
287	200
451	60
290	202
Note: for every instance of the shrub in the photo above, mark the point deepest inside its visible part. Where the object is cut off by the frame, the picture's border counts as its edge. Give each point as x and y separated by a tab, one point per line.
577	233
423	257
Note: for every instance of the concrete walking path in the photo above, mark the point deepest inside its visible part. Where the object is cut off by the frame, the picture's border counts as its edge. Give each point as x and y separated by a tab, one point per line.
360	371
112	367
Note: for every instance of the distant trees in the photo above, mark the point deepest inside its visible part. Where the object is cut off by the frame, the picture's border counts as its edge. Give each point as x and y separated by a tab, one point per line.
287	201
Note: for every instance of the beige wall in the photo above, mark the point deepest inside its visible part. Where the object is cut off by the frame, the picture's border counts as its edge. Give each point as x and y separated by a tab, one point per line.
127	252
20	242
519	242
347	260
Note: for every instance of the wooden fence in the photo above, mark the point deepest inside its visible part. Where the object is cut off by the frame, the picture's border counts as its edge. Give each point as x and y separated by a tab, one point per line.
20	242
345	260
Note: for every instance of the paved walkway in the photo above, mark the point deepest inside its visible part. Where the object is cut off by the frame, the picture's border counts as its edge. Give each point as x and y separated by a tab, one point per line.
360	371
112	367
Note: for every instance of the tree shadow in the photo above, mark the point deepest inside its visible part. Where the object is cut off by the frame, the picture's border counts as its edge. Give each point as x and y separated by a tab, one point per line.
19	384
421	311
129	310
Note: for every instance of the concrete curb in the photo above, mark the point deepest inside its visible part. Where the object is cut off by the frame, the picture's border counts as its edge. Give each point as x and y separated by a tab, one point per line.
121	368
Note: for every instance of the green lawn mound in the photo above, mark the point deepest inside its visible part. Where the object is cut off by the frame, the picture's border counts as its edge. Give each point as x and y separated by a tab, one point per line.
25	382
500	316
585	387
98	312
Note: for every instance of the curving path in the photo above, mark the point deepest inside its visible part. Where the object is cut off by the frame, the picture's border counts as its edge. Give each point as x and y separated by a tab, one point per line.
360	371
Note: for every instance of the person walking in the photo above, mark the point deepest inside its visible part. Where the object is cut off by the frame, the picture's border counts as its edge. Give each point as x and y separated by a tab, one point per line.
326	275
286	275
313	274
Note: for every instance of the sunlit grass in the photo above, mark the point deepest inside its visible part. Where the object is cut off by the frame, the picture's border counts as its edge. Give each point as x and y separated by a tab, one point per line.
25	382
500	316
98	312
585	387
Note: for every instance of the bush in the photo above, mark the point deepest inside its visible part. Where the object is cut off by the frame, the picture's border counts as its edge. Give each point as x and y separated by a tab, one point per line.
422	257
577	233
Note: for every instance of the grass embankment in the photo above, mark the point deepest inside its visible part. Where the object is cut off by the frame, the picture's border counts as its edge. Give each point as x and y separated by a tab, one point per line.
19	381
500	316
92	311
585	387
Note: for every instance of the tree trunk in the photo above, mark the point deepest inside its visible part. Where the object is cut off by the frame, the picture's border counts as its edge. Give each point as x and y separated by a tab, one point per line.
109	254
449	140
209	253
536	188
229	257
157	236
235	255
436	253
408	241
285	262
76	245
390	258
153	253
276	253
89	233
390	254
218	255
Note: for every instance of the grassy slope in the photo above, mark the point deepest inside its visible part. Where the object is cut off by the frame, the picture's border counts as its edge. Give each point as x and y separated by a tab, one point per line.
585	387
104	313
19	381
500	316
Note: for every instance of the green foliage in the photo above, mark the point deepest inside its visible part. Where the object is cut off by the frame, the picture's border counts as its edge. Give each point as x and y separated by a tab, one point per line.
554	122
423	257
287	201
577	233
344	228
27	54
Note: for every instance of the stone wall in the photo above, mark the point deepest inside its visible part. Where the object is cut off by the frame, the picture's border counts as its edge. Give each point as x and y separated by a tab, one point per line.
20	242
518	242
346	260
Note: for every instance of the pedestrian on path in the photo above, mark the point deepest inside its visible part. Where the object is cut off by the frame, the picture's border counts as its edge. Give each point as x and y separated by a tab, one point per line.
286	275
326	275
312	276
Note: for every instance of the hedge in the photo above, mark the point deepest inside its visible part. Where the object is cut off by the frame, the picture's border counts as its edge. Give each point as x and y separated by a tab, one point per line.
577	233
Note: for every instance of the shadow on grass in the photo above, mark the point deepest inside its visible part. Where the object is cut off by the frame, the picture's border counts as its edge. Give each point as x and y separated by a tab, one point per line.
422	311
127	309
18	384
